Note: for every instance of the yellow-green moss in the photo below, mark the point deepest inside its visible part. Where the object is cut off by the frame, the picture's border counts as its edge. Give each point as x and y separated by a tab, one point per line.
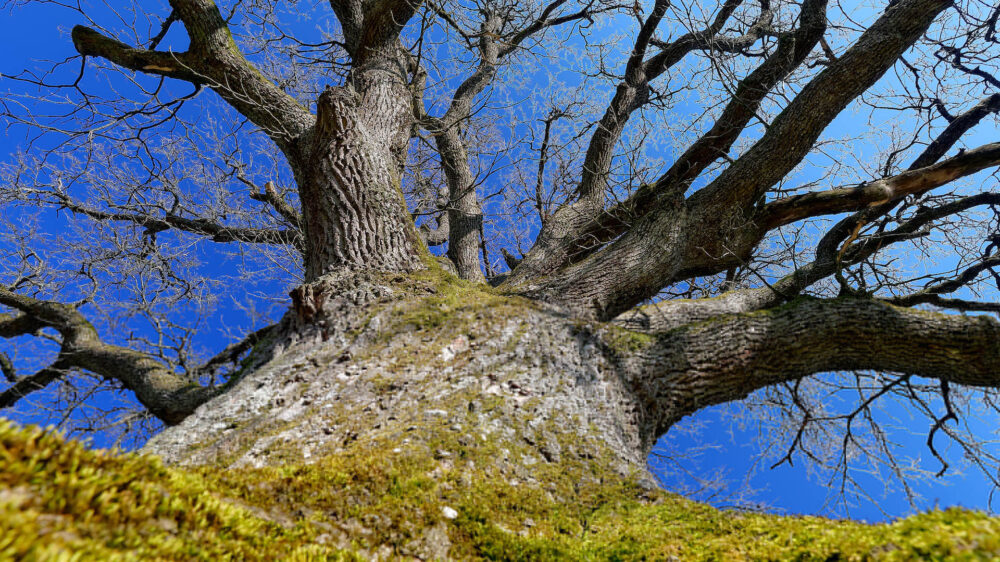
59	500
440	306
626	341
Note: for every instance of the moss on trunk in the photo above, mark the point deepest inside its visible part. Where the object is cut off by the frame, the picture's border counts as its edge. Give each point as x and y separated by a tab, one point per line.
59	500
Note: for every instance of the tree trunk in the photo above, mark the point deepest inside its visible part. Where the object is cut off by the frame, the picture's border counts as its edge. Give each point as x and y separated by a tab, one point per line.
352	203
465	216
426	364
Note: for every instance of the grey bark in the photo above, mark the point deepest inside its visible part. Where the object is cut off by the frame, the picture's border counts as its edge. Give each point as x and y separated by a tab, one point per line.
465	216
352	202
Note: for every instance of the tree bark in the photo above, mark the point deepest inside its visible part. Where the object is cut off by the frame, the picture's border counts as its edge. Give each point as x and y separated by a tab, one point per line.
352	204
408	363
411	362
384	349
464	212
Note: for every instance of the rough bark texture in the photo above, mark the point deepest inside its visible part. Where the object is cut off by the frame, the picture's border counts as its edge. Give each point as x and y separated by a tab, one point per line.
465	216
382	350
394	364
409	362
351	199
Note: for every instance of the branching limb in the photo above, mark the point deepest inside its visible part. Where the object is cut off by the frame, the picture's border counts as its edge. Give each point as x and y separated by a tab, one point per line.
888	190
12	326
383	22
957	126
939	423
955	129
932	293
165	394
733	355
233	351
438	235
794	131
23	386
172	65
271	196
713	224
669	314
584	226
204	227
465	211
213	59
791	51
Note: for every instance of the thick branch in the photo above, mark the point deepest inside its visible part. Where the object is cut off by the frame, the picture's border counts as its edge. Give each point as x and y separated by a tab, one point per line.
24	386
791	51
172	65
932	153
436	236
913	182
731	356
489	59
711	231
213	59
795	130
579	228
19	325
165	394
670	314
383	22
465	215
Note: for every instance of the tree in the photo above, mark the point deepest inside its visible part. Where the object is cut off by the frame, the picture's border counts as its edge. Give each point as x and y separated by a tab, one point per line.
648	292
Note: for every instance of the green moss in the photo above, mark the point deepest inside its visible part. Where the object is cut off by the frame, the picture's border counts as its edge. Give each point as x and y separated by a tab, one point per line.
626	342
439	306
59	500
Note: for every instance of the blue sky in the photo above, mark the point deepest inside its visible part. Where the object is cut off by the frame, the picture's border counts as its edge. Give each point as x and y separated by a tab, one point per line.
38	32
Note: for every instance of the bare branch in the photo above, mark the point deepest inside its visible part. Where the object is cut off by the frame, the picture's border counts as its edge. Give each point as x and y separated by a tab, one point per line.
233	351
888	190
217	232
957	127
271	196
172	65
23	386
168	396
214	60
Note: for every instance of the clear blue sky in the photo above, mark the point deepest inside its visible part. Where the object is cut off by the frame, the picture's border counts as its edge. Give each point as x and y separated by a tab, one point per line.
39	32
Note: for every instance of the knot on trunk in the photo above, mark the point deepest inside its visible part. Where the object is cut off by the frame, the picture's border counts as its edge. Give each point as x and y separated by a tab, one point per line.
336	297
336	114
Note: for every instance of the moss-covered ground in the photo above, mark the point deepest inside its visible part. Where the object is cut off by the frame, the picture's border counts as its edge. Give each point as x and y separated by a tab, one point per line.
60	500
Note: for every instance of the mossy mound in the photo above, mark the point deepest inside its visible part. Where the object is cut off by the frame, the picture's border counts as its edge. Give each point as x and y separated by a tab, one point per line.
60	500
